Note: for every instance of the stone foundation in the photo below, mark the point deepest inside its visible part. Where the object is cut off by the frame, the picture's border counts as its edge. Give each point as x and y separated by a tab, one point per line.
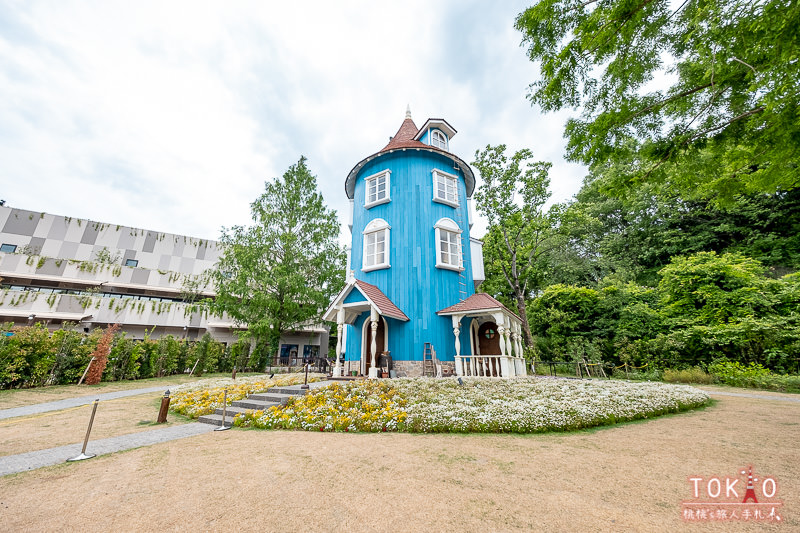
403	369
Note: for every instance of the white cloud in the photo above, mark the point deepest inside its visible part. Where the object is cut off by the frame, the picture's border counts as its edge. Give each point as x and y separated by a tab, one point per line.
171	115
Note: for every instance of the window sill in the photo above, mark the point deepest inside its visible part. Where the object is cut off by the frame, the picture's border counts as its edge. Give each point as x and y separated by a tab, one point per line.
446	202
379	202
375	267
445	266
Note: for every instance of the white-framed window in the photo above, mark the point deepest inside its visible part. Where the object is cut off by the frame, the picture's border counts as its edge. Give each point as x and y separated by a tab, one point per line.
438	139
445	188
377	189
376	245
448	245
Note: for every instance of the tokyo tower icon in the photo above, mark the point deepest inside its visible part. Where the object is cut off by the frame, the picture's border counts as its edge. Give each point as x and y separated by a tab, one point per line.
750	493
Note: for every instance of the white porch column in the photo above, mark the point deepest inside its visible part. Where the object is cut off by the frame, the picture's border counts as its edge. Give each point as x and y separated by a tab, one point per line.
457	332
373	316
508	337
337	369
499	319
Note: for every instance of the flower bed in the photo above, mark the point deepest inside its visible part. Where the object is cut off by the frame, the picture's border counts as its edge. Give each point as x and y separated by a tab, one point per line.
205	396
481	405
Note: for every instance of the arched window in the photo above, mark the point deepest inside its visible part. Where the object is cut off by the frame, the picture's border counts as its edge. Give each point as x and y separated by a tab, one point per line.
438	139
448	245
376	245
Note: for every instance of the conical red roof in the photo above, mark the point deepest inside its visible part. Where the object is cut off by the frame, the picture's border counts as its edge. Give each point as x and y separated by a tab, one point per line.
404	138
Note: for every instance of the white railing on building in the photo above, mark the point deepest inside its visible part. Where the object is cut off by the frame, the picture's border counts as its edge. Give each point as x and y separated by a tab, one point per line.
498	366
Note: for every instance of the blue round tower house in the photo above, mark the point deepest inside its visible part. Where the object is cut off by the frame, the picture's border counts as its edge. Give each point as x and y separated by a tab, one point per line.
409	305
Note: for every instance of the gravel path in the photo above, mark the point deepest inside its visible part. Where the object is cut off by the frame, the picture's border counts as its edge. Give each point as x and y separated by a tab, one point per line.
29	461
73	402
757	396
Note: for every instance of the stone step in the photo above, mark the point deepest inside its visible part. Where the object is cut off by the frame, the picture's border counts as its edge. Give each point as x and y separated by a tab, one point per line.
257	405
216	420
292	390
232	411
274	397
258	402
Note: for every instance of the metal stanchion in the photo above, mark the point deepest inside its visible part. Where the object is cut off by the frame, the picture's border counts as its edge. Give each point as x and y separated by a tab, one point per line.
162	413
83	455
305	383
223	427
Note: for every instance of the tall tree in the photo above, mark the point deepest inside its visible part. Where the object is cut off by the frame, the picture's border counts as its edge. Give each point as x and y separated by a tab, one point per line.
279	273
511	197
727	121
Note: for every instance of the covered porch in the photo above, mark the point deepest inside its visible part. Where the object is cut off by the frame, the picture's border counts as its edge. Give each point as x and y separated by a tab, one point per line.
357	298
495	338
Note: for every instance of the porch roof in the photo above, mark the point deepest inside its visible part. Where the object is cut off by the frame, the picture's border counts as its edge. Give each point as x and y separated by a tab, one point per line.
477	304
373	296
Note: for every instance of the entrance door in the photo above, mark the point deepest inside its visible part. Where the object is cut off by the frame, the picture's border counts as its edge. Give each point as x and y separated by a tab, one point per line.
489	343
380	343
489	339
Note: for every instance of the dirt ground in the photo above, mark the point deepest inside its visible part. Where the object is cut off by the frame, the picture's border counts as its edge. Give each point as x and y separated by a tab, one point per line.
58	428
20	397
625	478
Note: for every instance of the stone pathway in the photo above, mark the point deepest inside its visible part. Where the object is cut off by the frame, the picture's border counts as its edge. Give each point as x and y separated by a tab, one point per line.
73	402
13	464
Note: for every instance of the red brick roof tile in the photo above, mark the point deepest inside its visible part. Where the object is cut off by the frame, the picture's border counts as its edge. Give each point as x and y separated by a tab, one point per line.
385	306
477	302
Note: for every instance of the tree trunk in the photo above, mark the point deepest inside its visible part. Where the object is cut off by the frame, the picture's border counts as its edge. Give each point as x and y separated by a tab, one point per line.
526	329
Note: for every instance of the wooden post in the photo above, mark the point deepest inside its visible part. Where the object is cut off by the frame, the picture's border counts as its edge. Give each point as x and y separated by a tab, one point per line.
86	371
162	413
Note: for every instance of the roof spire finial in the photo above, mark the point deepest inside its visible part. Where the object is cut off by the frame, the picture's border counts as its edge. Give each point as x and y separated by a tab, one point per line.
408	110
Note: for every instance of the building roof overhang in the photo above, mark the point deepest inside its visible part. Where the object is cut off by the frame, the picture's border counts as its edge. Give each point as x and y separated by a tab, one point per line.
477	305
439	123
373	298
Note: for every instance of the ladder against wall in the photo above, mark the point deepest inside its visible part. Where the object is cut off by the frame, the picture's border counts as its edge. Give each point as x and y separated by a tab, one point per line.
430	365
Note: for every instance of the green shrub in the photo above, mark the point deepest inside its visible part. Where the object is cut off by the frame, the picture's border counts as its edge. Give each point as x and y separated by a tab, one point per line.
688	375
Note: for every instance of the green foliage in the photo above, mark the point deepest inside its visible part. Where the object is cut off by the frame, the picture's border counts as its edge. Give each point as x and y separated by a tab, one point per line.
124	360
632	237
688	375
512	197
726	125
26	357
753	376
72	352
707	306
206	352
282	271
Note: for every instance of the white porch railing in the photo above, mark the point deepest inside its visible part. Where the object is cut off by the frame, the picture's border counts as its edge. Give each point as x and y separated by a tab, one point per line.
498	366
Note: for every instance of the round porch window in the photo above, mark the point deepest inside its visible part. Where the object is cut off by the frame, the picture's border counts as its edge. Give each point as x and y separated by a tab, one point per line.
490	333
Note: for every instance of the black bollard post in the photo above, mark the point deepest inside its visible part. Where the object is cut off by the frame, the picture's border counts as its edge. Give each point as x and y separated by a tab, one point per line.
305	383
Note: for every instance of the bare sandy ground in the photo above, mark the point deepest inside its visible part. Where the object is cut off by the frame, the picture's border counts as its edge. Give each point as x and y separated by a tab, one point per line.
59	428
625	478
20	397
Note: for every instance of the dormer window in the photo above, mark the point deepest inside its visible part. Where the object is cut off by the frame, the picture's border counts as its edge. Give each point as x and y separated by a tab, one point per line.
438	139
377	190
445	188
376	245
448	245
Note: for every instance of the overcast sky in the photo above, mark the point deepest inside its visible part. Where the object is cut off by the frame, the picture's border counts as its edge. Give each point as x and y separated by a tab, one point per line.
170	116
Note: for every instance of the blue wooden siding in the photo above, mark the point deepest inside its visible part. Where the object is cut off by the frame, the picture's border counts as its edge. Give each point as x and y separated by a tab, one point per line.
355	296
413	282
